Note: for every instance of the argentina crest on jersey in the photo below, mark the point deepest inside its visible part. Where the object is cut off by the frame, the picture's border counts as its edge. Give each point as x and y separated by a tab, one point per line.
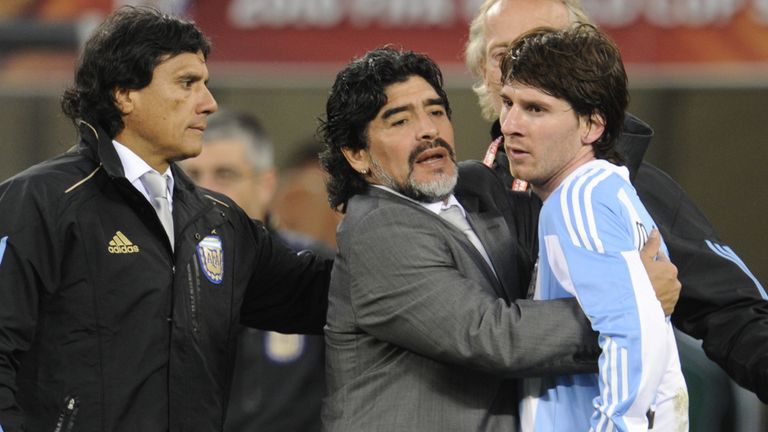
211	256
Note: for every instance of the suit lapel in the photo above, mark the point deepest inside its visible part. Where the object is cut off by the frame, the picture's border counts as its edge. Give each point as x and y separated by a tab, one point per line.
478	224
496	237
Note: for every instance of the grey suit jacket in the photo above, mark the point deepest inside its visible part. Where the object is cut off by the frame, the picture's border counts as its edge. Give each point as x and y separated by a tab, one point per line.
421	335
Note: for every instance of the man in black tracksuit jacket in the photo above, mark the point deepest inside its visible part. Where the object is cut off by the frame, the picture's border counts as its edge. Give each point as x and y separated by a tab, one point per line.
106	325
118	337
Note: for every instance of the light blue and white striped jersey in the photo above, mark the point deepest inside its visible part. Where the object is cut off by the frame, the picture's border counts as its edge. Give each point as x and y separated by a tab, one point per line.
590	231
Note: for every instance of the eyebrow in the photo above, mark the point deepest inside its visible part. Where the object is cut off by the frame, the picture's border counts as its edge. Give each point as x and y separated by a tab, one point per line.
428	102
435	101
500	44
392	111
194	76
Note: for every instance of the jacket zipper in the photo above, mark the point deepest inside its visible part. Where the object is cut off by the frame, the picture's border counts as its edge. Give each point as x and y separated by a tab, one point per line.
66	420
193	279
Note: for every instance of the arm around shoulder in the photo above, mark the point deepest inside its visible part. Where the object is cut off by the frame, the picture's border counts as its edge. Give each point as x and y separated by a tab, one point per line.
721	301
287	291
412	287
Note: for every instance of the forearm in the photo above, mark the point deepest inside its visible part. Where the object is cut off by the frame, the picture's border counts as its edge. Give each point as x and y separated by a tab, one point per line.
722	304
571	345
289	292
441	314
412	285
730	336
721	301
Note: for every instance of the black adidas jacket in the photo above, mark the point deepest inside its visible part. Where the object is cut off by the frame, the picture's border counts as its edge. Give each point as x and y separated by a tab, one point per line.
103	327
721	302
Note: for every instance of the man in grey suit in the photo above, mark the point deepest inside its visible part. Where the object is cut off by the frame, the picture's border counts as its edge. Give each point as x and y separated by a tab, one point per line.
425	328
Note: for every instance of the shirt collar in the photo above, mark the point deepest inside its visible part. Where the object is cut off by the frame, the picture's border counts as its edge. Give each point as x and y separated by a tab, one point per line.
134	167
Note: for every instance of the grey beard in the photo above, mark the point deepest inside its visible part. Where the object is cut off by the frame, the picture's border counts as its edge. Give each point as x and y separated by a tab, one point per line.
434	191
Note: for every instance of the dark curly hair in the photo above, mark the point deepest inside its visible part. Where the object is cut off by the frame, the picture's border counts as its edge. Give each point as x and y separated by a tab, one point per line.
122	53
357	95
580	65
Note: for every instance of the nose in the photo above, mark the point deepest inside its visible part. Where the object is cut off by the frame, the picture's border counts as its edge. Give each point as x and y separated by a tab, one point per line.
427	128
509	119
208	104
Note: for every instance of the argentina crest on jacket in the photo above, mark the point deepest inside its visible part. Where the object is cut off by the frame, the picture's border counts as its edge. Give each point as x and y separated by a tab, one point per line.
211	256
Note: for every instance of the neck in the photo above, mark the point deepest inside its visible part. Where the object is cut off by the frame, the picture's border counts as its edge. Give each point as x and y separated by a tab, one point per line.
154	160
545	189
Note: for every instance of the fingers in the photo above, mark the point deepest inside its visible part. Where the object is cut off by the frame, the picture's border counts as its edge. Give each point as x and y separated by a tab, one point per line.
661	256
652	247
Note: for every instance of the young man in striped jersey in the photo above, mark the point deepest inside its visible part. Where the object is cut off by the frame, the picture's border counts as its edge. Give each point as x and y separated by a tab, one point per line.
564	96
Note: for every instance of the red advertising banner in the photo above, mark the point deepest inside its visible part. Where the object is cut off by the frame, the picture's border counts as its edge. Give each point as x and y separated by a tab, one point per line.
285	35
649	32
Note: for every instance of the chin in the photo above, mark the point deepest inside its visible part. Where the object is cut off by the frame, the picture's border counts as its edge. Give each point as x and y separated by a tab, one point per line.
191	149
517	172
437	189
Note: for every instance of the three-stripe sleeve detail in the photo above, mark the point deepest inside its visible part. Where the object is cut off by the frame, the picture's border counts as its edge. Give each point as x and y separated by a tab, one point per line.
728	253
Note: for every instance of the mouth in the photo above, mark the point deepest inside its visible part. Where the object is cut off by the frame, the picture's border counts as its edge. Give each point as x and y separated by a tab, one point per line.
431	156
198	128
516	152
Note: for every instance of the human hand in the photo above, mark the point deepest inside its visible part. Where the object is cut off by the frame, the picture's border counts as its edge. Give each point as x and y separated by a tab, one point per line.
662	272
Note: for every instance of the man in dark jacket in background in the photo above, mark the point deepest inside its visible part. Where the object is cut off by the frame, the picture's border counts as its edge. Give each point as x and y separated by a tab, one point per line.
122	284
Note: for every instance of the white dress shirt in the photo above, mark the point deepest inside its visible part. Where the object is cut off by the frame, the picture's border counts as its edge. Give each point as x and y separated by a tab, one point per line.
134	167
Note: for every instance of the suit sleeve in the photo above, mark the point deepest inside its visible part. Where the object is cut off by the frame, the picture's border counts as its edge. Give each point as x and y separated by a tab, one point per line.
406	289
27	254
721	301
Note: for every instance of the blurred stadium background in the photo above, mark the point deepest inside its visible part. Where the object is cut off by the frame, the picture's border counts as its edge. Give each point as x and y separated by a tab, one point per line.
698	73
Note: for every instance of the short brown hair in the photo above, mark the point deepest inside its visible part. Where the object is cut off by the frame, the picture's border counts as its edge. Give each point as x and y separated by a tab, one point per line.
580	65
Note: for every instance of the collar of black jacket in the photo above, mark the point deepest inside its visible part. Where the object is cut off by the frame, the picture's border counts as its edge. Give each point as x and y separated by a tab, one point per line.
99	146
635	138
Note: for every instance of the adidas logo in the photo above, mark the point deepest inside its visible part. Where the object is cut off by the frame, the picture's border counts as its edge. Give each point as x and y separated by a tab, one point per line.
121	245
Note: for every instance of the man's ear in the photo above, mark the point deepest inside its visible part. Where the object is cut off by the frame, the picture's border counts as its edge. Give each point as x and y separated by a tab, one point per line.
594	127
358	159
123	100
